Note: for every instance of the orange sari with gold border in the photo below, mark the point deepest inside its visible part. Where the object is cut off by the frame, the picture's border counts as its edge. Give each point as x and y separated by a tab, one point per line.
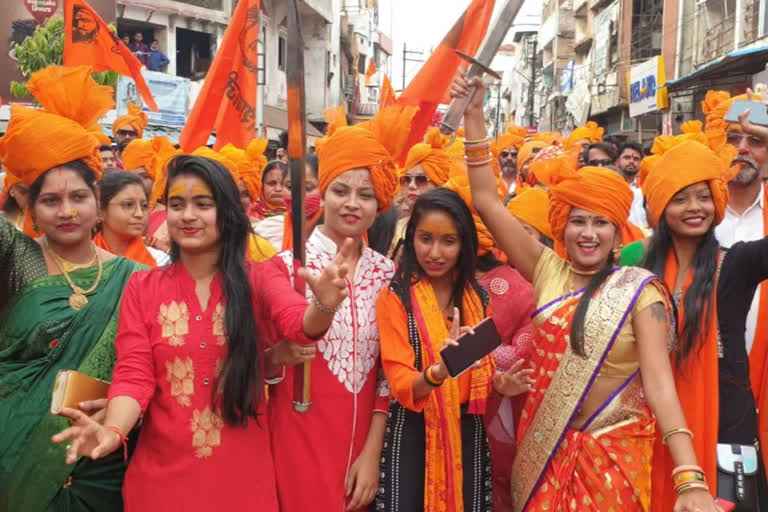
606	463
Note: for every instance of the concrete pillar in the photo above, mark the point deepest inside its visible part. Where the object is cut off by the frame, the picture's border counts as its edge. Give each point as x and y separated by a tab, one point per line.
170	44
738	29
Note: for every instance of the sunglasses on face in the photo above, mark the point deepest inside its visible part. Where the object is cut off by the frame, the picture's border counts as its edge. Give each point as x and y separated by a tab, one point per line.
420	180
605	162
507	154
127	133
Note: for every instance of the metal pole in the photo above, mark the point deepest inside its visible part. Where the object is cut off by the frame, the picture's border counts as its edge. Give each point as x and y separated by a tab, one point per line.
405	53
532	87
498	108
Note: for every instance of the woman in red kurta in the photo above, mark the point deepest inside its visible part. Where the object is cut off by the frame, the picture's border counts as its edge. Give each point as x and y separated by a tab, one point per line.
334	449
191	361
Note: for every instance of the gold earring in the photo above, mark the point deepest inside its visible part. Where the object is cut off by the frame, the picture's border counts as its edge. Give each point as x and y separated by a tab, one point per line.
617	254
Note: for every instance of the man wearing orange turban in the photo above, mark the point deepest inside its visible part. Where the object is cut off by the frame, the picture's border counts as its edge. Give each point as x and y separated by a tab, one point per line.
524	157
504	150
585	135
129	127
745	220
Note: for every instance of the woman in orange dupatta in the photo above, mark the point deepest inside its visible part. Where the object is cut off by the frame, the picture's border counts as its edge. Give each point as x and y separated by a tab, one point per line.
685	185
124	216
586	434
436	450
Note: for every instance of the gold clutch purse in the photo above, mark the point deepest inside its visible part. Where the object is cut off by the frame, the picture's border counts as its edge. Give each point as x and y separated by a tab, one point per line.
72	387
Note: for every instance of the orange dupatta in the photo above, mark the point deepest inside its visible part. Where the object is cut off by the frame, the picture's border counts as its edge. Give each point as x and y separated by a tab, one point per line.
137	251
758	355
442	411
697	386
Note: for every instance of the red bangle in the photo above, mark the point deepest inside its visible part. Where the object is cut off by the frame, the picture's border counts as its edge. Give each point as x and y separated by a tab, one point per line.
123	439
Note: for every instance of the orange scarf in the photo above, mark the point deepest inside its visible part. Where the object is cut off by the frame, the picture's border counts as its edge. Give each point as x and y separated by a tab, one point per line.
442	412
758	355
697	387
630	233
136	251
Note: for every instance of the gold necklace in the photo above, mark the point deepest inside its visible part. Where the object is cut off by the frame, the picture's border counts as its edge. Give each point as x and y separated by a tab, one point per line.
571	286
78	299
68	266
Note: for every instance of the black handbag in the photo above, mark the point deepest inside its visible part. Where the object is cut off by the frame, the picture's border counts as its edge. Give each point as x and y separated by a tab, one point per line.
737	476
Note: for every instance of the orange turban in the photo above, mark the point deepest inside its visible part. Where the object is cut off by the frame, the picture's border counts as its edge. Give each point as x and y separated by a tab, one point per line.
135	118
39	140
594	189
684	164
590	131
526	152
459	183
432	157
549	138
715	106
209	153
143	153
257	161
369	145
165	151
532	207
97	132
514	136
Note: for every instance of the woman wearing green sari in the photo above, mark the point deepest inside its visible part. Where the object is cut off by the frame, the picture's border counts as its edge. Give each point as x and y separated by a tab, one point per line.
59	297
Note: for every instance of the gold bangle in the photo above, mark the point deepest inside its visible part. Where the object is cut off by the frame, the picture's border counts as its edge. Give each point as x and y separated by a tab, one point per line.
689	467
674	431
689	476
694	485
486	140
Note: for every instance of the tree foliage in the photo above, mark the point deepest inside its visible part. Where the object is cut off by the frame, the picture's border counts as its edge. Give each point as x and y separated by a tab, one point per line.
46	48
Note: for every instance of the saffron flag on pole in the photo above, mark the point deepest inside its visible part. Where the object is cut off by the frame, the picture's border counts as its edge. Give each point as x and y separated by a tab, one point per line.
227	101
429	88
88	41
370	71
387	94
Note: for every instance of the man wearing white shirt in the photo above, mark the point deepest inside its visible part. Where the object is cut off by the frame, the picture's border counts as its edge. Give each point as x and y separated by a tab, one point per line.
628	162
508	164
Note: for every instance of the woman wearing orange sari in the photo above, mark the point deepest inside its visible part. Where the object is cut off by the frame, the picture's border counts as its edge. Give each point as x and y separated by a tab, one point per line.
586	434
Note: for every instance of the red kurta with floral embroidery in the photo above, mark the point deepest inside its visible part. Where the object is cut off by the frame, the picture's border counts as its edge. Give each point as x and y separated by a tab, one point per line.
313	451
168	353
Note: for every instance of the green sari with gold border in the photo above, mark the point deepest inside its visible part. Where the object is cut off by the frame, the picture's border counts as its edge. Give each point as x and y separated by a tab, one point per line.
41	334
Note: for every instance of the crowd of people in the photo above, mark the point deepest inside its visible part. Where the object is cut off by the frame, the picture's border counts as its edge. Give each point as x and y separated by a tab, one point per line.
629	292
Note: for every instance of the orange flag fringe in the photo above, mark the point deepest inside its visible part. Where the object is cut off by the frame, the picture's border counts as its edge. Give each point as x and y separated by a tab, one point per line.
387	94
370	71
88	41
227	101
429	87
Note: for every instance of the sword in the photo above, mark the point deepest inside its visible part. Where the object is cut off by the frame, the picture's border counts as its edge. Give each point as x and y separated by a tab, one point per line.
480	64
297	143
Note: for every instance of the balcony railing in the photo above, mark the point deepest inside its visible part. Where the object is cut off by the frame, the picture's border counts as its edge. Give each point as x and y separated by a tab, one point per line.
207	4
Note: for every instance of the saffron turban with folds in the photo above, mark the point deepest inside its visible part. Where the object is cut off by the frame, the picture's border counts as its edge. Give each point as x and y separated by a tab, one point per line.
686	163
39	140
370	145
432	156
590	131
594	189
532	207
459	183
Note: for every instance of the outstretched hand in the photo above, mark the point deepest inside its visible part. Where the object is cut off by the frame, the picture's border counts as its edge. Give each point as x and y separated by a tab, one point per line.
330	287
515	381
87	437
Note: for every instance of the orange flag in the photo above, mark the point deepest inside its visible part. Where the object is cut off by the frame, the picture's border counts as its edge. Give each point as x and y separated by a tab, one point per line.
387	95
88	41
429	87
227	101
370	71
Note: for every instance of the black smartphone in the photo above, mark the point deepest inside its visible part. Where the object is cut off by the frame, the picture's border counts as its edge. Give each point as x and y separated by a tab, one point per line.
471	348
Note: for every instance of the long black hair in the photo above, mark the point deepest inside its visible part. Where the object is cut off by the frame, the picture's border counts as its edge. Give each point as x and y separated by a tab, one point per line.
272	165
577	325
382	230
409	271
113	183
241	389
698	299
